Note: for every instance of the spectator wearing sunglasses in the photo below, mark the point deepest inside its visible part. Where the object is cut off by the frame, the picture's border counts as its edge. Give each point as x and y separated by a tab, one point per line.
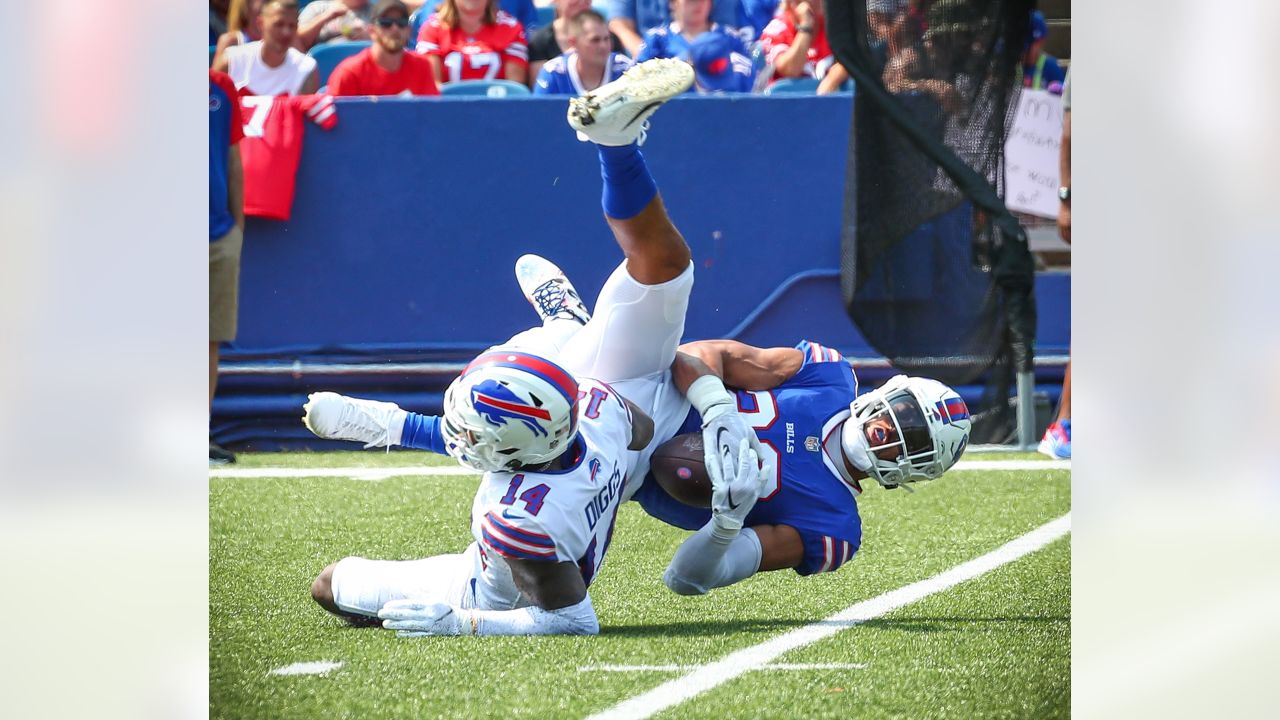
384	68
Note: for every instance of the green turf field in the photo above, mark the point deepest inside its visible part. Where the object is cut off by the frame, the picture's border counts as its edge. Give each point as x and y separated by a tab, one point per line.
995	646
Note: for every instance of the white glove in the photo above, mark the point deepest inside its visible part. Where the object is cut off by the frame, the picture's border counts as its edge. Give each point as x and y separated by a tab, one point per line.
732	501
414	618
723	430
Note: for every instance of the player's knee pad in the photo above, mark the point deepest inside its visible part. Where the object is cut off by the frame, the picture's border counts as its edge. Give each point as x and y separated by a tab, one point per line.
681	585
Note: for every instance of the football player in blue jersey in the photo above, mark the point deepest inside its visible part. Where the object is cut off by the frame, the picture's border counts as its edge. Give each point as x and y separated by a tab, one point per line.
556	418
822	439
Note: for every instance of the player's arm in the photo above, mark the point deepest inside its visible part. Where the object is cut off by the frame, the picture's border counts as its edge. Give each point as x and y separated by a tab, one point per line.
739	365
561	607
641	426
555	589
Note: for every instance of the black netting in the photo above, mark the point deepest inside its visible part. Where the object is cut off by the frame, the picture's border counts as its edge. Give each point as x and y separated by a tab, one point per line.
935	271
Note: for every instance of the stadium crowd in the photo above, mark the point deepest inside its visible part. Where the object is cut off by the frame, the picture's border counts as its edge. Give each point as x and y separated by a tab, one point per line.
360	47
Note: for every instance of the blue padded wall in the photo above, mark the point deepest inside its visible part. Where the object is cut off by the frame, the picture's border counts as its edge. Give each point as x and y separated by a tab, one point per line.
410	213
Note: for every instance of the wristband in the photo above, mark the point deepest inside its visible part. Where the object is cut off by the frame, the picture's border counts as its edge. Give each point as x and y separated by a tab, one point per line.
804	29
706	392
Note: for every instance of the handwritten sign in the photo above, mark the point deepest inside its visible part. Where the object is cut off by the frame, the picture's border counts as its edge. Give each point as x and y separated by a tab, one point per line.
1031	155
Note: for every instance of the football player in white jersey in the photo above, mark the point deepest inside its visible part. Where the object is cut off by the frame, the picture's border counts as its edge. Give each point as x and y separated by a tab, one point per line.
556	418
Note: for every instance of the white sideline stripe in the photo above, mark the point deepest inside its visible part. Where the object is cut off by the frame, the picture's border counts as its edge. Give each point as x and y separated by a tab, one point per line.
674	692
683	668
375	473
317	667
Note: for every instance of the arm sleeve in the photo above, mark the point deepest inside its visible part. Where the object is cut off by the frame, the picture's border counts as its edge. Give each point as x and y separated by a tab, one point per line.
704	561
579	619
422	432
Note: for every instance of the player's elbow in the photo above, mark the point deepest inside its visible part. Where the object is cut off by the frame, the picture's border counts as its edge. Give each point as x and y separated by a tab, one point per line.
681	585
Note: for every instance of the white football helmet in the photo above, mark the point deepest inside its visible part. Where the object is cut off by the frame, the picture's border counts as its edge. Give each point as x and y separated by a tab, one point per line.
510	409
928	426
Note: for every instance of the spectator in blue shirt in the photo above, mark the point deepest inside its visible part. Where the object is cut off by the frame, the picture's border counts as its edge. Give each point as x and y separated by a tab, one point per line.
753	16
690	19
718	67
1040	70
590	64
631	19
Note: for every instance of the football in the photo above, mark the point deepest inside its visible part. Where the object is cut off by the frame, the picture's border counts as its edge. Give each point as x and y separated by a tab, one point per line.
679	468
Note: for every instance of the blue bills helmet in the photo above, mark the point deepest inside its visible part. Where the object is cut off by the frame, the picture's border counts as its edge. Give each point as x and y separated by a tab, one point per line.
508	410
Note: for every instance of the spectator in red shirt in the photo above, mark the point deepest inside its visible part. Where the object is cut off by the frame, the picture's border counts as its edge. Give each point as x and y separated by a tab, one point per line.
474	40
795	41
384	68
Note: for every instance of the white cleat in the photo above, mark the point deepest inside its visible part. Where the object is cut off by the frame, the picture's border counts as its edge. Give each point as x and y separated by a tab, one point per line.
617	113
548	290
338	417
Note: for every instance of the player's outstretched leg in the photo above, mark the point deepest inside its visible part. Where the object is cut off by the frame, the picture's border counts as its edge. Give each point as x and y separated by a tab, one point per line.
615	118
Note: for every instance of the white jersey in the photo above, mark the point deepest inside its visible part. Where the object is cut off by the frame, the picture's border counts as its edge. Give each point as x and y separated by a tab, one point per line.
247	70
564	515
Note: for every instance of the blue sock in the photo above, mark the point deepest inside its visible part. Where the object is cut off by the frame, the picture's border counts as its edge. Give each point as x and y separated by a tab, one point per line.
422	432
628	186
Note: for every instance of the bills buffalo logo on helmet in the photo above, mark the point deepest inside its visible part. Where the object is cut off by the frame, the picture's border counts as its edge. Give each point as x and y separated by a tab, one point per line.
497	404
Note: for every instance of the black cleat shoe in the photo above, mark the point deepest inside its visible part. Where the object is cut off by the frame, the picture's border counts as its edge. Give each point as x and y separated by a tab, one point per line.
219	455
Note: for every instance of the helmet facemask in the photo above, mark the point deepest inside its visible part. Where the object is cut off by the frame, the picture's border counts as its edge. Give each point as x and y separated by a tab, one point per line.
891	435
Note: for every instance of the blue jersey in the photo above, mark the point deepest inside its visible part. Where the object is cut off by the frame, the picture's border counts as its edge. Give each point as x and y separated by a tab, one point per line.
794	422
559	76
649	14
667	42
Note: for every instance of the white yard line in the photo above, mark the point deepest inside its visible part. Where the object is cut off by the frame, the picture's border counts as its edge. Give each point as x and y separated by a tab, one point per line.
706	677
383	473
686	668
318	667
